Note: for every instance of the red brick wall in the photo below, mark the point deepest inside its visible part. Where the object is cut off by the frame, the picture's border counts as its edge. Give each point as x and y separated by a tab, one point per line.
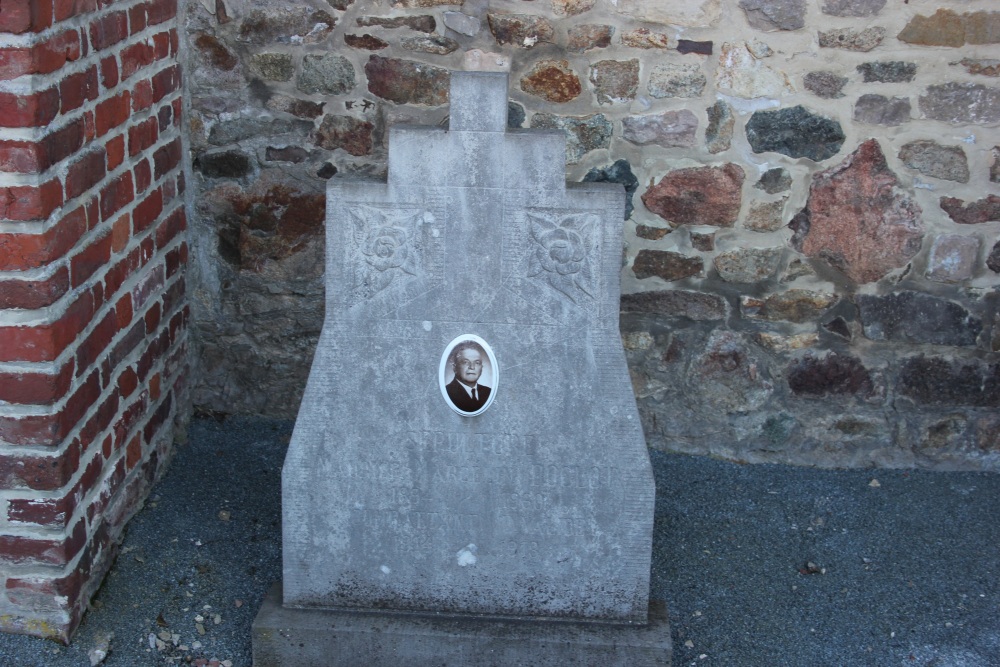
93	309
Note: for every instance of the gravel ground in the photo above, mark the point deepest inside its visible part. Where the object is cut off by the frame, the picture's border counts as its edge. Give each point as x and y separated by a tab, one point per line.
760	565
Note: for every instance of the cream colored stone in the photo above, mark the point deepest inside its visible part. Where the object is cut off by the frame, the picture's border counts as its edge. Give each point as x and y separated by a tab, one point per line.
695	14
779	343
484	61
743	75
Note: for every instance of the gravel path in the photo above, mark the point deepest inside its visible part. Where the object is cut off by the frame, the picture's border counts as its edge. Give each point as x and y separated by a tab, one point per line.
760	565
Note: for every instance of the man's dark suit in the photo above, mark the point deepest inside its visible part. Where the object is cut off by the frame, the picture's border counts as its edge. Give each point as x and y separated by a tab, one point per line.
461	399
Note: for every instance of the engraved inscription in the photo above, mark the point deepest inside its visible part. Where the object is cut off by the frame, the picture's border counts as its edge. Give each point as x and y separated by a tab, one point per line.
389	247
562	252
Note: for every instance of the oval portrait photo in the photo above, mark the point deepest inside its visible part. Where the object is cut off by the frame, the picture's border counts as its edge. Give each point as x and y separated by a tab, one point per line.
468	375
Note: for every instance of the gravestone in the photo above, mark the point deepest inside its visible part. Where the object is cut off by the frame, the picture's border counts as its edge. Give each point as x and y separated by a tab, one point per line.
513	530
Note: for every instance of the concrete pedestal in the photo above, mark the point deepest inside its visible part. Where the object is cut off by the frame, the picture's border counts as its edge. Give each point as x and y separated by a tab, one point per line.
325	638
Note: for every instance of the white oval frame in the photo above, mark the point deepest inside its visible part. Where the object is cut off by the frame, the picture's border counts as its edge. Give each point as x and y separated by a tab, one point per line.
443	370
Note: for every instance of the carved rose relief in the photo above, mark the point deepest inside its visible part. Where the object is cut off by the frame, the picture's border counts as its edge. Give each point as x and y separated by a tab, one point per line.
387	247
561	252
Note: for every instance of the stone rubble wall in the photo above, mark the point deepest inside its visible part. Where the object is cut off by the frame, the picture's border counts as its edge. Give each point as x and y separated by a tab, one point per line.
93	309
812	249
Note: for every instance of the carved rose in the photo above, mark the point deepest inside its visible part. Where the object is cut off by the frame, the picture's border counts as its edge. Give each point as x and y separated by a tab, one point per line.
561	255
386	248
561	251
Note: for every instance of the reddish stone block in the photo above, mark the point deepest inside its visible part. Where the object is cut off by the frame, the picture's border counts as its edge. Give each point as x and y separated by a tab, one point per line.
172	261
143	175
32	294
153	352
109	72
121	233
87	262
20	16
116	194
135	57
165	82
142	95
62	143
152	317
28	202
177	105
115	148
127	343
28	251
100	419
127	382
171	226
49	430
40	473
96	342
173	297
137	18
159	11
161	45
147	211
85	173
123	311
77	89
93	213
36	388
142	136
21	157
165	116
154	387
148	285
18	549
46	342
15	63
166	157
43	58
65	9
157	420
108	30
111	113
34	110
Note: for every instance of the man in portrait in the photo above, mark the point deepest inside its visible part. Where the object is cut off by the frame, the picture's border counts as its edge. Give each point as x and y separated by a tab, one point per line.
465	391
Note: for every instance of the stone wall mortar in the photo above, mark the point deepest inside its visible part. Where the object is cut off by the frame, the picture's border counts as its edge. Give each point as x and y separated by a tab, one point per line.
93	307
797	172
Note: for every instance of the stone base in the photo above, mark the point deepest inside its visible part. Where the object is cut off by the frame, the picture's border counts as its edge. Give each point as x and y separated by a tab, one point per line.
324	638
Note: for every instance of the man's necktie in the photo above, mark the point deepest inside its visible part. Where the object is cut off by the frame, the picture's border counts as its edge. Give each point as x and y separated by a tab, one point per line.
475	397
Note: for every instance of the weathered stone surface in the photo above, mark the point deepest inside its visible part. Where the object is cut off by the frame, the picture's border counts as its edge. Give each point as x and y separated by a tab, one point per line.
685	46
227	164
894	71
583	133
704	242
915	317
615	80
774	181
572	7
669	129
676	80
719	132
949	28
775	14
743	74
794	305
419	23
215	52
795	132
407	81
293	154
691	13
779	343
797	269
552	80
993	260
423	4
273	66
515	115
698	196
748	265
961	103
838	326
852	7
238	129
834	374
825	84
857	219
340	5
265	27
462	23
295	106
666	265
523	30
940	381
851	39
875	109
696	306
995	167
765	216
973	213
980	66
365	41
589	36
436	44
644	38
952	258
328	74
346	132
618	172
731	377
932	159
651	233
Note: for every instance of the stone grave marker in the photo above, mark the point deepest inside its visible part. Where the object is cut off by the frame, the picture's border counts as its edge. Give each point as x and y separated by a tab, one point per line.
501	517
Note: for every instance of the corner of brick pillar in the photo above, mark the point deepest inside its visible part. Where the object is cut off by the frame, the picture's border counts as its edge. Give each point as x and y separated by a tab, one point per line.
93	305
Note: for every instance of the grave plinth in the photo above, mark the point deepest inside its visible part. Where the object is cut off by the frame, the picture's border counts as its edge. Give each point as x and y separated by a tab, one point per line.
421	530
